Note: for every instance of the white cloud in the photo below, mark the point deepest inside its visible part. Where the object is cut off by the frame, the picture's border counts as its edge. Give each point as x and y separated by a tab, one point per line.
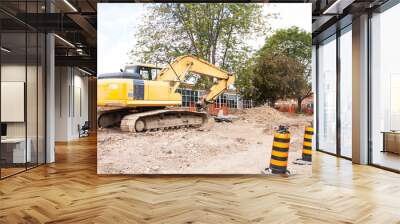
288	15
116	23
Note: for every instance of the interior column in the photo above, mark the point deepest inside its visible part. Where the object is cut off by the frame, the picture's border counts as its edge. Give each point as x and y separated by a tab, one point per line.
360	90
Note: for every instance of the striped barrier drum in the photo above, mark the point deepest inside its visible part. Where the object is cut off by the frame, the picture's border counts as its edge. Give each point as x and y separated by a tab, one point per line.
307	144
280	151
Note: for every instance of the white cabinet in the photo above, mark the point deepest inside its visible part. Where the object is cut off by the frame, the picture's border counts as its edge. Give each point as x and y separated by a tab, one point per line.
17	146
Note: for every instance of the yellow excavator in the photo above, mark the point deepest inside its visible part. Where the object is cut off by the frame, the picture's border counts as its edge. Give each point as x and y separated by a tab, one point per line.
137	97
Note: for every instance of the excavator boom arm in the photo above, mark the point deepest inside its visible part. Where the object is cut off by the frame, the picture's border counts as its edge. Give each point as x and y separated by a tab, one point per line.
179	69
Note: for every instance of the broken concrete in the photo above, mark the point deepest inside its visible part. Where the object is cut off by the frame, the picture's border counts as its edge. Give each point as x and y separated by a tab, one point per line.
240	147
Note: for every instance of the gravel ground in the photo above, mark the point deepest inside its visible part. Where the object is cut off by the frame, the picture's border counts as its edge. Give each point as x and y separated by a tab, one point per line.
241	147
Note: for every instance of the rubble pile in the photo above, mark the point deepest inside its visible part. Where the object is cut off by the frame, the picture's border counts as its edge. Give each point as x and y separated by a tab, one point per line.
242	146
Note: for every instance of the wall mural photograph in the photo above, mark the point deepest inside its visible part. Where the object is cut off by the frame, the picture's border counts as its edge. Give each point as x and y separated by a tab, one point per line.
211	88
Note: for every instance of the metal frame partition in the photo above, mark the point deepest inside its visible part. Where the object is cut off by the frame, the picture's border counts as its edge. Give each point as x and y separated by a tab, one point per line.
380	9
341	31
338	30
316	98
41	40
369	125
338	97
318	107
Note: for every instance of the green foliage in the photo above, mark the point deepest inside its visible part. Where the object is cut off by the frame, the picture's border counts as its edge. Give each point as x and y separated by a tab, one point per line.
274	77
292	42
215	32
280	69
244	80
219	33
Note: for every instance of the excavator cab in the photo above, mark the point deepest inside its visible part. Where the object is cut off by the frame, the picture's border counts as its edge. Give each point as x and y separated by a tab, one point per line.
144	71
135	86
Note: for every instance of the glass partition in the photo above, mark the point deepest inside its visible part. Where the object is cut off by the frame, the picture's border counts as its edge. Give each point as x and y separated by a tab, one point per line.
13	94
346	92
22	77
385	89
327	95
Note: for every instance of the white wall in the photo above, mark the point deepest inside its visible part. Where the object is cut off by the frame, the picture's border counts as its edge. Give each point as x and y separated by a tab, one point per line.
71	102
16	73
62	82
12	73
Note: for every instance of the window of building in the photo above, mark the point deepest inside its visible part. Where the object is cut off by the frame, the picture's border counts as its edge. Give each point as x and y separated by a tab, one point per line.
346	92
385	89
327	95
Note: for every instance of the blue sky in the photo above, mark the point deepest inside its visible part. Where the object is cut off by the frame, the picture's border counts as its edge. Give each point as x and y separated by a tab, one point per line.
117	23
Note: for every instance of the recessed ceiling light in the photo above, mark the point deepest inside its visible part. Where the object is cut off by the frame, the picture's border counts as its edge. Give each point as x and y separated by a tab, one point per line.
70	5
338	6
5	50
64	40
86	72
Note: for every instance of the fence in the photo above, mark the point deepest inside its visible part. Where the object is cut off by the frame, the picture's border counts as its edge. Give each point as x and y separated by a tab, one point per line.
292	108
226	101
247	104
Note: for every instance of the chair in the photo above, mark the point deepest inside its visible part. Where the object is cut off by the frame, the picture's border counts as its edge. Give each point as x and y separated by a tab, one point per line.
84	130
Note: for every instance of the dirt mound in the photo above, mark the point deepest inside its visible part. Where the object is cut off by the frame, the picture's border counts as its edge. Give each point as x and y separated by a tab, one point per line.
263	114
268	115
269	119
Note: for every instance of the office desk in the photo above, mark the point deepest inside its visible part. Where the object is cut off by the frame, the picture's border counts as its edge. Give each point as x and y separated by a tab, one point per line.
13	150
391	141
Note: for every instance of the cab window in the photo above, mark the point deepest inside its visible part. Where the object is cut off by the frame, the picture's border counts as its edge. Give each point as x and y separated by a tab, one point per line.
145	74
130	70
154	72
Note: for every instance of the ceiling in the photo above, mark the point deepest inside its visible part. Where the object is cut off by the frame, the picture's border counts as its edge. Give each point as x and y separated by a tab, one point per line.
331	15
75	22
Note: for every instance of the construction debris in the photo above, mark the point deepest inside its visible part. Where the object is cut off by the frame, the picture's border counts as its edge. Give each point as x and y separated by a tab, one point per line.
239	147
225	118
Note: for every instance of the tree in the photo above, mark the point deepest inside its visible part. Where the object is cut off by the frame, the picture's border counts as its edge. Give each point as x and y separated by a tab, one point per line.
244	79
274	76
214	32
296	44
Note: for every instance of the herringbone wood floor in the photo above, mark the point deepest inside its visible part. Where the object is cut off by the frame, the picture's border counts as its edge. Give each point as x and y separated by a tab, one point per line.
69	191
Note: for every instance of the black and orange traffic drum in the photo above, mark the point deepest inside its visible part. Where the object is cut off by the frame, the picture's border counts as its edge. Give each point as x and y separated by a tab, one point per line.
280	151
307	144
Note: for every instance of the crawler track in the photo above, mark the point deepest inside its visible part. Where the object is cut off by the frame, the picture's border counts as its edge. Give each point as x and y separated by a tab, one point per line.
162	119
